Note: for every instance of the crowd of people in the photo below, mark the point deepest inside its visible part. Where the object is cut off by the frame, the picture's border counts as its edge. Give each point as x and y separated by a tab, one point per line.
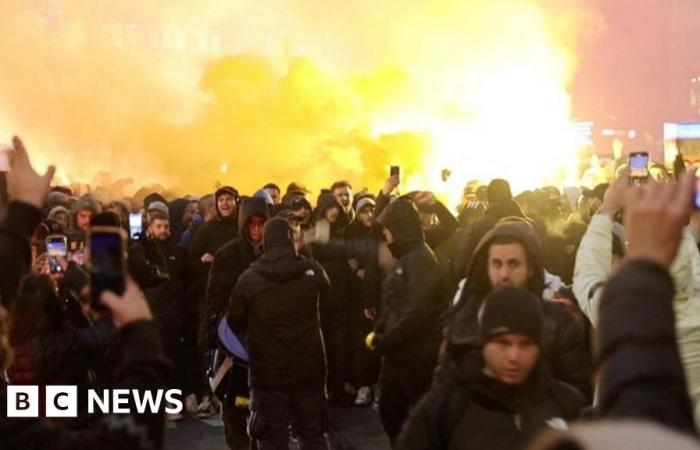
571	312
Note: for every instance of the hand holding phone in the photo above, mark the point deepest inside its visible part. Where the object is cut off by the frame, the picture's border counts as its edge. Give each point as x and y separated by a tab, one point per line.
57	250
106	261
638	167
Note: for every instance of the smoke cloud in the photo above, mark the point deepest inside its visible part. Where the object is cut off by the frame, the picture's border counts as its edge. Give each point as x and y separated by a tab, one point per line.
189	94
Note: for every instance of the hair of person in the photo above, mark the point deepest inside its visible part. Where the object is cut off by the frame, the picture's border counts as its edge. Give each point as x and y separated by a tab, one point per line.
272	186
105	219
341	184
158	215
205	203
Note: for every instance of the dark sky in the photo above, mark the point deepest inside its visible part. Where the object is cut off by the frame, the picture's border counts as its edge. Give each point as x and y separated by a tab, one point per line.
637	71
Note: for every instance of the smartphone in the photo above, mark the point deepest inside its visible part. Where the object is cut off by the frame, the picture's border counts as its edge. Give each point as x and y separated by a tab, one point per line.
696	194
394	171
56	246
135	226
106	262
639	166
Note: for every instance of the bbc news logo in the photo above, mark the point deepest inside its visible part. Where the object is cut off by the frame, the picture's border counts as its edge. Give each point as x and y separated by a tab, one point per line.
62	401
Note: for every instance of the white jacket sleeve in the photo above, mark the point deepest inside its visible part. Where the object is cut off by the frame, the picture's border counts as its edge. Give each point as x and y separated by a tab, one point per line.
593	265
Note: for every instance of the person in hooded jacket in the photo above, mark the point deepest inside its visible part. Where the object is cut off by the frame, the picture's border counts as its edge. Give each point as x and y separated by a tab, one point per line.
275	303
230	262
500	206
211	236
142	368
505	396
61	215
511	255
181	212
409	331
335	309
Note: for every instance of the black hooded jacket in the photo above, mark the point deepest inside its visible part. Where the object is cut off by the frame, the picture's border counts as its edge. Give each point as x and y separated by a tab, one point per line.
564	345
333	255
210	237
230	261
414	295
483	413
478	230
176	210
276	303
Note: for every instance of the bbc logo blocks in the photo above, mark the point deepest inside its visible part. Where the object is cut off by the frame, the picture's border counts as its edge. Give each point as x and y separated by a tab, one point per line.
23	401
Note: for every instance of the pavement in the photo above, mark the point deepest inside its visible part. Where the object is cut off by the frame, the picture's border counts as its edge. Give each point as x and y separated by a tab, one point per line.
351	428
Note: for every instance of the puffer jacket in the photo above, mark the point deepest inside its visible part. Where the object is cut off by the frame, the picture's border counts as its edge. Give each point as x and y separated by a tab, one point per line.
564	345
593	266
276	304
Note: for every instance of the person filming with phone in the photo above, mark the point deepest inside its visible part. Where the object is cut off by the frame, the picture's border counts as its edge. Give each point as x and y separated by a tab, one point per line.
143	367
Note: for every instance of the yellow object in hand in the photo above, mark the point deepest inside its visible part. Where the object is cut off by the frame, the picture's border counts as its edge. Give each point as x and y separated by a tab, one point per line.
369	341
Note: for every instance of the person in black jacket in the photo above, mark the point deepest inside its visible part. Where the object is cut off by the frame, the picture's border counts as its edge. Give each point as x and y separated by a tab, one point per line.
230	261
143	368
511	255
276	305
409	331
335	307
506	395
157	264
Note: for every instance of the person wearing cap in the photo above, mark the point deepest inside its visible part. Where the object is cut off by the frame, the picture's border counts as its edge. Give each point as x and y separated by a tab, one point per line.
408	333
275	304
511	255
505	394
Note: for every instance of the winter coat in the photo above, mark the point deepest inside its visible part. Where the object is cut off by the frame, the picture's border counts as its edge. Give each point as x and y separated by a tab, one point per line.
209	238
230	261
333	256
564	346
642	375
593	266
276	304
414	294
159	268
487	414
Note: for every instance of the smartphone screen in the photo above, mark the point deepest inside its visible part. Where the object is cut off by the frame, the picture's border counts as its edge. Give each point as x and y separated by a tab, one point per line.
638	165
56	246
135	225
394	171
107	262
696	194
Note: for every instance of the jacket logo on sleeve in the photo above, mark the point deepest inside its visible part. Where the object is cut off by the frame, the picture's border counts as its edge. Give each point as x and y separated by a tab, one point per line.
557	423
310	273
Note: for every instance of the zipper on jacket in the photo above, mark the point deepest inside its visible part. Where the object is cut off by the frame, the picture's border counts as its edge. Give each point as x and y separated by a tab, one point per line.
518	424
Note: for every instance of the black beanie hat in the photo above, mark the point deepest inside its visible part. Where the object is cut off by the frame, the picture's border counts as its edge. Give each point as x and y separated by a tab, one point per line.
277	233
512	310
